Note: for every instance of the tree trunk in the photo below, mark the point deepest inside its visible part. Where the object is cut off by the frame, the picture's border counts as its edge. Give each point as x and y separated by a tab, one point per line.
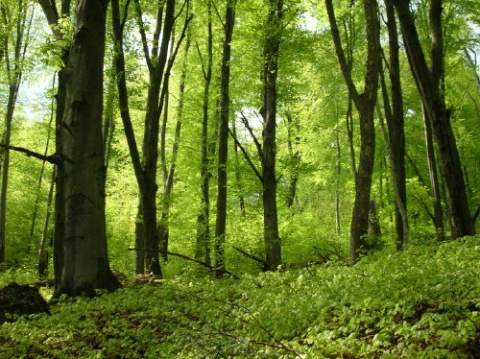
395	139
20	34
338	171
269	112
435	187
169	174
220	225
202	246
52	15
295	158
429	82
85	262
42	170
365	104
42	251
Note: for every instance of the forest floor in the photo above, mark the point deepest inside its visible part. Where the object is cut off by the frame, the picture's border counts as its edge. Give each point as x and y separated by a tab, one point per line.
420	303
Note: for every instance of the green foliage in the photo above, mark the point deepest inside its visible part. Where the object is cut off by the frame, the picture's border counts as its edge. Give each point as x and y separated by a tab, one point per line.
420	303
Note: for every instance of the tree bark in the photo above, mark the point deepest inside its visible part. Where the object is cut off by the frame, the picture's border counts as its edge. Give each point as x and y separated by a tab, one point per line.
85	262
435	186
429	82
269	112
42	250
202	246
221	220
169	172
365	105
395	139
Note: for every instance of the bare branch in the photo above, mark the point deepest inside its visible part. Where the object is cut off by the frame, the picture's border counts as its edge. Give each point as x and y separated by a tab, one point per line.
250	130
54	159
247	157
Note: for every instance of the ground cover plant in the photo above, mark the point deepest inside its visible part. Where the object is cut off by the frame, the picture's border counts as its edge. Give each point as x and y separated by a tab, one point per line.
420	303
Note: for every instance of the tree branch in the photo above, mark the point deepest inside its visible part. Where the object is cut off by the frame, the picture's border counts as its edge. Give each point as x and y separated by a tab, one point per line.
183	256
247	157
250	130
143	35
54	159
255	258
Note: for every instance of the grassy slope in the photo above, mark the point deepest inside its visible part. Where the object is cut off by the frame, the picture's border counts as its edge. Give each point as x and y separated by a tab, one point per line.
423	303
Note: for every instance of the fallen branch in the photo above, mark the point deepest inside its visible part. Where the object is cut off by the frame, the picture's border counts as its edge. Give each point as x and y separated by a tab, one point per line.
255	258
183	256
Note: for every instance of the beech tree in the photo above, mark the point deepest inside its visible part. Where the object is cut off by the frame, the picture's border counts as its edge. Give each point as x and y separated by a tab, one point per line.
429	84
273	253
17	20
81	158
220	224
365	104
395	134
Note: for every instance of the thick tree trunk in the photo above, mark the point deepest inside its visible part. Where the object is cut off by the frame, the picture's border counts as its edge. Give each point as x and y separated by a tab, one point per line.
429	83
85	262
269	112
220	225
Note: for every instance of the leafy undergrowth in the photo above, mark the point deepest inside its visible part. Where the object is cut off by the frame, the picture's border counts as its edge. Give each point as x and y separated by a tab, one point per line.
423	303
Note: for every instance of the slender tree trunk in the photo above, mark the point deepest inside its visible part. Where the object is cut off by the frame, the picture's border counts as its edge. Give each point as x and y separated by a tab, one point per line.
434	180
238	172
43	256
159	61
220	225
20	21
120	69
202	247
269	112
429	82
52	15
473	65
85	262
395	139
42	170
294	163
169	174
365	104
338	171
5	169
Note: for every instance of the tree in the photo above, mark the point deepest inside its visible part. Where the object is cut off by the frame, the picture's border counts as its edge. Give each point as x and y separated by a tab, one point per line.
85	262
202	249
160	59
269	113
18	20
56	18
365	105
429	84
221	220
395	135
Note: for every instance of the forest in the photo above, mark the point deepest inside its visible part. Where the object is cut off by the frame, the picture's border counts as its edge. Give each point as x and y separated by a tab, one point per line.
240	179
